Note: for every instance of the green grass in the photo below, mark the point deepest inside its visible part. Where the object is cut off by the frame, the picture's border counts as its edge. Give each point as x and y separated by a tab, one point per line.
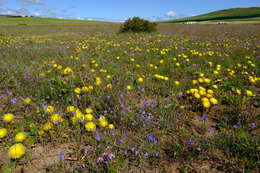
44	21
158	122
249	14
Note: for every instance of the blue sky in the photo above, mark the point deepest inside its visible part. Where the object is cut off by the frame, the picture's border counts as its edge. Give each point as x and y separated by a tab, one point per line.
118	9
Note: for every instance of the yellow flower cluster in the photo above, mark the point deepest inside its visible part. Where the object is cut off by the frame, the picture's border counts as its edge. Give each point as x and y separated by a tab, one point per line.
161	77
204	95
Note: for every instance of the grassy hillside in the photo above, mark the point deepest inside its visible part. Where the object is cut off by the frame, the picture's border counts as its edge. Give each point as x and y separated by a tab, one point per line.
228	14
42	21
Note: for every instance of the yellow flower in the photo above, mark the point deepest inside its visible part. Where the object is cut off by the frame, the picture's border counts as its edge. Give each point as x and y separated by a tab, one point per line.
177	83
206	104
206	80
238	91
109	85
79	115
85	89
201	74
67	70
27	100
20	137
249	93
209	91
3	132
205	99
89	117
202	92
209	95
177	64
16	151
59	67
90	126
71	109
196	95
213	101
89	111
8	117
98	81
111	126
103	122
201	80
129	87
41	132
216	72
55	118
140	79
215	86
49	110
47	126
77	90
194	82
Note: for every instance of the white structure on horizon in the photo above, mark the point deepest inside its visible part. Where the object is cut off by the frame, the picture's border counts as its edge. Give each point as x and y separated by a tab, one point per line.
191	22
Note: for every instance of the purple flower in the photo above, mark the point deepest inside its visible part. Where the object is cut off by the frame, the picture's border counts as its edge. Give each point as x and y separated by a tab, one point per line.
151	139
146	154
253	124
99	159
190	142
153	105
62	156
133	149
86	151
123	151
98	137
157	154
122	94
235	126
110	156
203	117
178	95
80	119
199	148
120	141
14	100
44	107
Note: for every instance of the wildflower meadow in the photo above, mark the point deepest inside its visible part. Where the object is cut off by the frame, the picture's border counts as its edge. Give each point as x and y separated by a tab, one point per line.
86	98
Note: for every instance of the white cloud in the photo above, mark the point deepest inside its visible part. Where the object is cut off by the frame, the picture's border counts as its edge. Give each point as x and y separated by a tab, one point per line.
51	12
31	2
37	14
171	14
14	11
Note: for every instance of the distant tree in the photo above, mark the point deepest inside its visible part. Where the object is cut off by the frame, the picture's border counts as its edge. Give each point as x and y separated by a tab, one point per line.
137	24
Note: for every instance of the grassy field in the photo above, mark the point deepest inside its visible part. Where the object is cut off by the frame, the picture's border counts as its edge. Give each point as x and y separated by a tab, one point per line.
237	14
83	98
44	21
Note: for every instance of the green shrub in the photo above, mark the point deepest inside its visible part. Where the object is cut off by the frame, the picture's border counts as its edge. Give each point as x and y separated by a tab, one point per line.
137	24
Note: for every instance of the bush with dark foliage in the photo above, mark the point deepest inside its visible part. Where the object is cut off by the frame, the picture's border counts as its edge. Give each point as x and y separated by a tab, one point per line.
137	24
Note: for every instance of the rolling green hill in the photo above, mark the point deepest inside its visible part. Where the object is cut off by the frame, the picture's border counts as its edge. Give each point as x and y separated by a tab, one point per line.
236	14
7	20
